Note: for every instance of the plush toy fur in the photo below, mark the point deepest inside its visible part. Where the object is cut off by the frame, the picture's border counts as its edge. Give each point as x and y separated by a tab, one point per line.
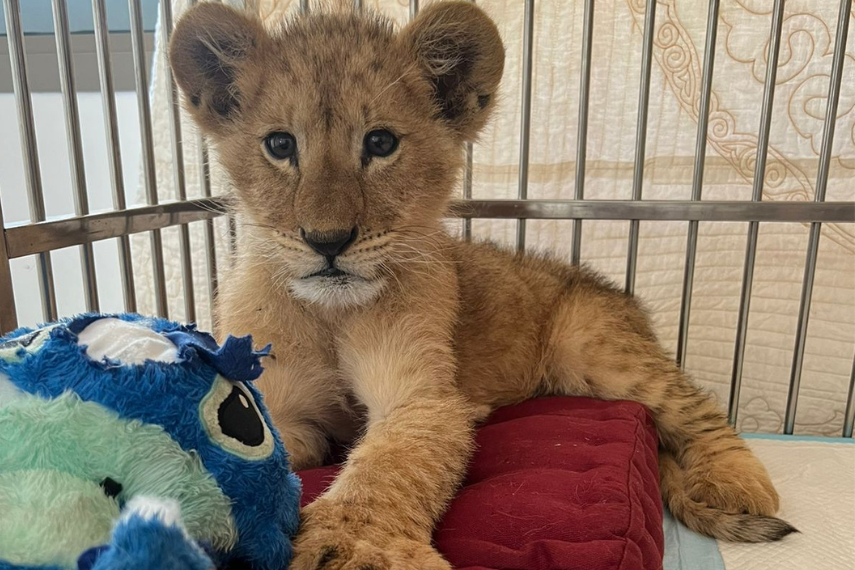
85	435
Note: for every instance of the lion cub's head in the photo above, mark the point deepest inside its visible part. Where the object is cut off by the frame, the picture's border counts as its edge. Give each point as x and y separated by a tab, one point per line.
342	136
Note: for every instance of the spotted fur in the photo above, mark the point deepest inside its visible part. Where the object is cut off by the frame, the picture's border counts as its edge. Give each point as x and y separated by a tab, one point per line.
427	334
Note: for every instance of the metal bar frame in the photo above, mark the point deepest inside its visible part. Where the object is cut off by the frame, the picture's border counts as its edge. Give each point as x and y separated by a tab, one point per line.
757	196
849	415
468	152
697	182
174	106
27	131
31	239
640	139
114	156
75	145
834	84
149	172
8	311
662	210
210	240
525	112
582	128
205	183
467	188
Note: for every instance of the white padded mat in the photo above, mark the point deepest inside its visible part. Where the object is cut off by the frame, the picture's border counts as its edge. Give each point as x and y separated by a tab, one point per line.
816	481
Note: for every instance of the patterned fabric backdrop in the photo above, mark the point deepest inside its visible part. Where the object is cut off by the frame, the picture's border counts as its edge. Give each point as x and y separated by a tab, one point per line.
805	62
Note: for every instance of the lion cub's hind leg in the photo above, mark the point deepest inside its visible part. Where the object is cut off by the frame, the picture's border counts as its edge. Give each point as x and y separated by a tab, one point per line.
601	345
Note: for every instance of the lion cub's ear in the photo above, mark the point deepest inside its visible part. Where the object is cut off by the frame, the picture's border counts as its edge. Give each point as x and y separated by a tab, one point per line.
211	47
461	52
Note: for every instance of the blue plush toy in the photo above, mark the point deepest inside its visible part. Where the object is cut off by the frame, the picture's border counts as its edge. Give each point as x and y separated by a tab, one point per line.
138	444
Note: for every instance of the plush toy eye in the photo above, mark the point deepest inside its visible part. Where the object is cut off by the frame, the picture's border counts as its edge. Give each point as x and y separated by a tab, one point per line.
239	419
233	421
281	146
380	143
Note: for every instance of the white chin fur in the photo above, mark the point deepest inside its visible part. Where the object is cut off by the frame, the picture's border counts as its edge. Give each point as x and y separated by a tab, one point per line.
336	293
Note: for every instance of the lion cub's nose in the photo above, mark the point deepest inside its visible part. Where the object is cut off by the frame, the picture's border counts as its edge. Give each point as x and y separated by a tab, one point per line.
330	244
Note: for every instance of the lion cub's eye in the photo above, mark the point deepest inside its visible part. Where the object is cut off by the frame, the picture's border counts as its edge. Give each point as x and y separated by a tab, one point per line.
281	146
380	143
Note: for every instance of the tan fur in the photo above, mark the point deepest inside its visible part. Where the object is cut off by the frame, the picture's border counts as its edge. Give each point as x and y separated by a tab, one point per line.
428	334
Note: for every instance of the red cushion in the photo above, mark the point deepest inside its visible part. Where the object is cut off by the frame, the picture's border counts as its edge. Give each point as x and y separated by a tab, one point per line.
556	484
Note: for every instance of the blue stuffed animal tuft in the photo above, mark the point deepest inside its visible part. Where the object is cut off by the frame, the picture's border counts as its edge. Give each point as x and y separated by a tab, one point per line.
137	443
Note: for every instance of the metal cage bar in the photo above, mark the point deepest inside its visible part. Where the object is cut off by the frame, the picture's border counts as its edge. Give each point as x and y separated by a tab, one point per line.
357	5
663	210
114	157
178	172
148	168
30	239
467	188
821	185
525	112
210	241
640	140
849	415
582	128
468	153
697	182
75	145
414	8
757	196
8	312
27	130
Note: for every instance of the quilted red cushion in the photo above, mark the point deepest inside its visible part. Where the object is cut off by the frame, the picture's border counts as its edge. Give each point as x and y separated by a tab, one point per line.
556	484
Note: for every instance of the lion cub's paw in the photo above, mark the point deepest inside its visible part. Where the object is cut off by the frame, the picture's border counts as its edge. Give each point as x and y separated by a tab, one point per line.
735	482
327	550
335	538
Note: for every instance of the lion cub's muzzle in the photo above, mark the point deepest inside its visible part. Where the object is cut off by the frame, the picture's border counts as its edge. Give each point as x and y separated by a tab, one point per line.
340	280
330	244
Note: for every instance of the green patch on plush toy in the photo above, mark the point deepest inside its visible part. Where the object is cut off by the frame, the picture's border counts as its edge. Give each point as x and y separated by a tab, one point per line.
138	444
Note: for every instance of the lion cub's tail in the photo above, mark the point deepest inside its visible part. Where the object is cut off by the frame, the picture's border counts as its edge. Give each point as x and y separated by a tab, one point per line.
712	521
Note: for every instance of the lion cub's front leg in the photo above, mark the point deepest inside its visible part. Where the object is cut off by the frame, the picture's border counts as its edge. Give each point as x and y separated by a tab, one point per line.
381	510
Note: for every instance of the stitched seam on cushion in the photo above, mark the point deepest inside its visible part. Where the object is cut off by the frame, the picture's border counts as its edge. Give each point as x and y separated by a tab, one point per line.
629	470
472	483
633	418
623	557
640	409
621	540
644	414
633	496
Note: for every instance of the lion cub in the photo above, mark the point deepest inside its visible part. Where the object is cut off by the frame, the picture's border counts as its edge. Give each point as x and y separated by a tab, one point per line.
343	139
